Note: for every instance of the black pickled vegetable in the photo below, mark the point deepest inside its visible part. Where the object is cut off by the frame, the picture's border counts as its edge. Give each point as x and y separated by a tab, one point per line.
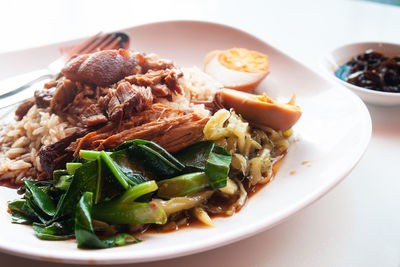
372	70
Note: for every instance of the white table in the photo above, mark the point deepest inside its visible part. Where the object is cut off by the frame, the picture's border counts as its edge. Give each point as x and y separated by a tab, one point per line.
358	222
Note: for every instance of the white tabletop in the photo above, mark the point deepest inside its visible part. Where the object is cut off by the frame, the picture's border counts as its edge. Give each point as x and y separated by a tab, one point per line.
358	222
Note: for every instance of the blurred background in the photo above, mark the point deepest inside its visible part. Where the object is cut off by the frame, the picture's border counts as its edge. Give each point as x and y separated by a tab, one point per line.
289	25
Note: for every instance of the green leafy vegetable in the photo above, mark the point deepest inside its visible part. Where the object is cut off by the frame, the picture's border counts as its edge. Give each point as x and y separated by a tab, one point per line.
114	212
32	206
146	156
41	199
114	168
20	218
72	166
64	182
85	180
116	161
129	168
162	153
183	185
123	209
20	206
57	174
137	191
213	160
116	187
97	191
195	156
90	155
55	231
84	231
21	213
154	159
217	167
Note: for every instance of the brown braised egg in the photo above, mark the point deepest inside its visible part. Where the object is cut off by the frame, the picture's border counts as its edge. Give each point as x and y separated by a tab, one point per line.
237	68
261	109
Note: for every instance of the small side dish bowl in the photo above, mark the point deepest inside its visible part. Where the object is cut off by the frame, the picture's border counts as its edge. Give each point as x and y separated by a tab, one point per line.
332	61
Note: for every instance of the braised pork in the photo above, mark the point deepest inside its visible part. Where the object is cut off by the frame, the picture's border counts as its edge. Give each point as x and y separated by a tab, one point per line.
54	156
104	67
171	128
162	82
112	97
23	108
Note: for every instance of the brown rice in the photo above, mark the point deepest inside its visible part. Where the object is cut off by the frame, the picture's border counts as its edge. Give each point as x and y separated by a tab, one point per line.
20	142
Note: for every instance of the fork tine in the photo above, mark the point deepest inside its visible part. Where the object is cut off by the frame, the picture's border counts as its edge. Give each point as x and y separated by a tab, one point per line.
121	40
100	42
124	43
92	47
113	44
81	46
106	43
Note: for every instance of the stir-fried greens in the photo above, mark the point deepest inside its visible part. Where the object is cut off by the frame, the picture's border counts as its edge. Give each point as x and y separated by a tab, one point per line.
123	186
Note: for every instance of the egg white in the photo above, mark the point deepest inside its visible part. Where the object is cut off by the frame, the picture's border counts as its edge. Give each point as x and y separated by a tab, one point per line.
228	77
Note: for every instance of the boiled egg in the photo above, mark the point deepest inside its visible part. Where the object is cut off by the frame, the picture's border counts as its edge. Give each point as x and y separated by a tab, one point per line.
261	109
237	68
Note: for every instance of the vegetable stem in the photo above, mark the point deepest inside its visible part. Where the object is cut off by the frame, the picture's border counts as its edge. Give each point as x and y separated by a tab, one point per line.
137	191
183	185
119	175
72	166
90	154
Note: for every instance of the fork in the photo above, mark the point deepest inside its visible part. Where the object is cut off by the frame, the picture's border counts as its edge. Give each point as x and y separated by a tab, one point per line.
17	84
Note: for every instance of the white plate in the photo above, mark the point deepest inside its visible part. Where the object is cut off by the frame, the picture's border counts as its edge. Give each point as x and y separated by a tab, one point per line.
342	54
330	139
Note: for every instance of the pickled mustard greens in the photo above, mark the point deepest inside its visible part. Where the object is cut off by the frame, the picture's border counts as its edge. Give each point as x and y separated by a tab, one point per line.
124	186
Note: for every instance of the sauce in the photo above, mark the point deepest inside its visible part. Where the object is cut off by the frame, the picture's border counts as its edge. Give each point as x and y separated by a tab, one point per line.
372	70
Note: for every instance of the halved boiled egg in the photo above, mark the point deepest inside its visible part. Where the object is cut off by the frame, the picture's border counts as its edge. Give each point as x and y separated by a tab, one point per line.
237	68
261	109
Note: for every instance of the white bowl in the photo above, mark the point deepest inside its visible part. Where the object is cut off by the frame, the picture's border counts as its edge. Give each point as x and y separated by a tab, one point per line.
342	54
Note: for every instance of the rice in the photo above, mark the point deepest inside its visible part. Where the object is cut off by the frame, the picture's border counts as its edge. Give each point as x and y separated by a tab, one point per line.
197	86
20	142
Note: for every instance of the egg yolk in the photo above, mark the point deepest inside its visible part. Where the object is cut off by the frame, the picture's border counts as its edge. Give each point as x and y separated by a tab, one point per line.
244	60
265	98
